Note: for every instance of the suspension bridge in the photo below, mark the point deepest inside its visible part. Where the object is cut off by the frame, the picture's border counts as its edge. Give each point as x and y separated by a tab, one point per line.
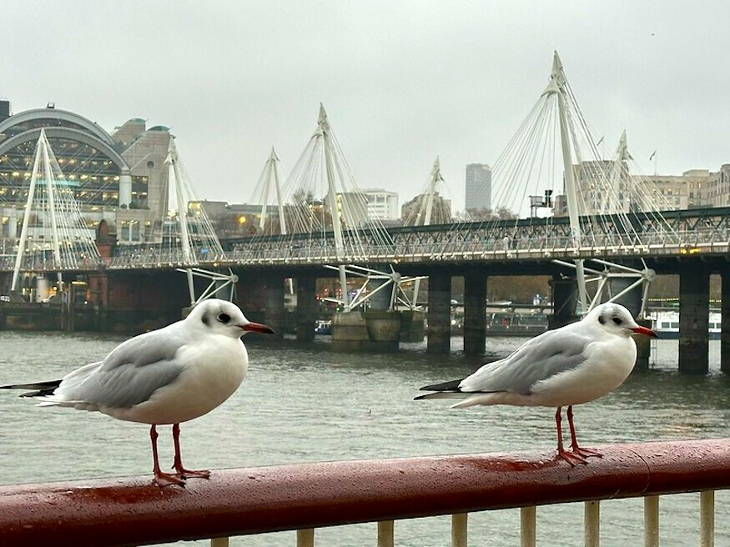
574	207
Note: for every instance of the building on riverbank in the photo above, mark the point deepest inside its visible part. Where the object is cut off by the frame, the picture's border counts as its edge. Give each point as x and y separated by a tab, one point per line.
120	177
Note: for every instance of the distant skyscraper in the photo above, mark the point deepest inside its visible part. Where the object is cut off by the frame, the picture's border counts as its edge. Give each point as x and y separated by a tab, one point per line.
478	186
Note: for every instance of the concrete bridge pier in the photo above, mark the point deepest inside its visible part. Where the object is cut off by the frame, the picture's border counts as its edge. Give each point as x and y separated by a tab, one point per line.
439	311
306	307
694	319
383	324
565	298
475	311
275	313
725	333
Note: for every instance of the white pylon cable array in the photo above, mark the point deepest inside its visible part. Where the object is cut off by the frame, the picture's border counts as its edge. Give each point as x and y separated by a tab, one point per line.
326	214
54	235
554	165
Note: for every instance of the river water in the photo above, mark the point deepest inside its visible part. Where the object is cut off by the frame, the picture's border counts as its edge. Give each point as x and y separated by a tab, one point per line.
304	403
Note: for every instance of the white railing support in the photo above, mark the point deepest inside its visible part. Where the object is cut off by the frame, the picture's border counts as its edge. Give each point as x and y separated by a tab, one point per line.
592	512
386	535
528	526
459	529
651	521
305	538
707	518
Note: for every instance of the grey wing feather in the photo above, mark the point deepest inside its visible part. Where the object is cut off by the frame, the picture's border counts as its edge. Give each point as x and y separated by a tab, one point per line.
129	375
540	358
145	349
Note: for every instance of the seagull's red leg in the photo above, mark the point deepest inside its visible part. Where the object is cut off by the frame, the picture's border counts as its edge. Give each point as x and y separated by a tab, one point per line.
583	452
571	457
181	471
162	479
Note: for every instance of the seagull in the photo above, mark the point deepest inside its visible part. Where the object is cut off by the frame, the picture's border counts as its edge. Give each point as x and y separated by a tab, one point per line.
563	367
166	376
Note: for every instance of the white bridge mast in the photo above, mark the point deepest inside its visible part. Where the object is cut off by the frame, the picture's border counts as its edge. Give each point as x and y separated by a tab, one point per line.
557	87
324	130
430	193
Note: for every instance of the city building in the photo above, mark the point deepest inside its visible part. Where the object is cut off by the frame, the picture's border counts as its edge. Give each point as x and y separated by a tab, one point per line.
119	177
717	188
382	205
682	191
478	186
693	188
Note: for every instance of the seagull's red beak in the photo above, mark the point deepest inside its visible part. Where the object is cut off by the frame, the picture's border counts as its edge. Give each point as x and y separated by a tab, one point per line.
257	327
644	331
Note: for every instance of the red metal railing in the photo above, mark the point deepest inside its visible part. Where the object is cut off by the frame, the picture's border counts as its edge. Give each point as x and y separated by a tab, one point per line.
133	511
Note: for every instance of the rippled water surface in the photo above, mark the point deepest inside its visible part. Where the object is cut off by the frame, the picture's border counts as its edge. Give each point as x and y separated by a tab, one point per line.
306	403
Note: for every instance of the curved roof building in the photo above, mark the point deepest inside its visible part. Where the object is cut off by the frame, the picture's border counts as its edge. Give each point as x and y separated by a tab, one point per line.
118	176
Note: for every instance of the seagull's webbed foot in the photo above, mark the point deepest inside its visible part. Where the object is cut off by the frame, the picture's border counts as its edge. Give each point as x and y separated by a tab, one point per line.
183	473
586	452
571	457
166	479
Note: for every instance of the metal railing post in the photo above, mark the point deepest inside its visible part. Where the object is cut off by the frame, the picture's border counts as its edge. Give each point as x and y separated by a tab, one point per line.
707	518
528	526
386	536
651	521
458	529
305	538
592	512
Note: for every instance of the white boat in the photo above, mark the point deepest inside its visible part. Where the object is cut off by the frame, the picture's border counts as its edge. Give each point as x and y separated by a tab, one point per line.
666	324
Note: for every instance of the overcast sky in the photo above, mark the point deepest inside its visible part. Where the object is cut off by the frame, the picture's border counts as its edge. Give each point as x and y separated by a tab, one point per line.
402	81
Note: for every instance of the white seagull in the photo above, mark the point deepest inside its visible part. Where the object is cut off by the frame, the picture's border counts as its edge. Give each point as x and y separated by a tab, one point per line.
564	367
162	377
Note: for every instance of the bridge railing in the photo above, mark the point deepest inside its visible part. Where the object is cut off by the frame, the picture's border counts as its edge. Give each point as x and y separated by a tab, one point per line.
308	496
452	243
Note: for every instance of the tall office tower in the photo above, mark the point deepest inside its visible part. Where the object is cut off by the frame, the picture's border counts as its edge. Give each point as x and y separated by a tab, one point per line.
478	186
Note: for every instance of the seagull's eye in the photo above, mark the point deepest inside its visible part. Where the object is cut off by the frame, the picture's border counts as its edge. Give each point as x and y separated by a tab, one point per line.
224	317
616	320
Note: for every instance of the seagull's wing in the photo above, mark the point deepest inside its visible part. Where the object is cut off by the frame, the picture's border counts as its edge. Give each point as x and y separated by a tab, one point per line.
542	357
129	375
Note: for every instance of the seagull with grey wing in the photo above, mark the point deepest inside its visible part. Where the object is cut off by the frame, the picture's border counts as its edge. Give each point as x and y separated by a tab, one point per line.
564	367
163	377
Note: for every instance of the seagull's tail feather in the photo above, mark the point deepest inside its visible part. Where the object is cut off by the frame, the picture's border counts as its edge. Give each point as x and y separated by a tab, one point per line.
42	389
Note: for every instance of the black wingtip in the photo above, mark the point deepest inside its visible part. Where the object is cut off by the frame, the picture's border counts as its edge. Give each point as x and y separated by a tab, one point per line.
453	385
42	388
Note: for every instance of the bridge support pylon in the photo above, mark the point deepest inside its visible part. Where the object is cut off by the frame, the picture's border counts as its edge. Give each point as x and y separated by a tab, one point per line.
306	307
275	313
694	319
725	333
439	311
475	312
565	297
